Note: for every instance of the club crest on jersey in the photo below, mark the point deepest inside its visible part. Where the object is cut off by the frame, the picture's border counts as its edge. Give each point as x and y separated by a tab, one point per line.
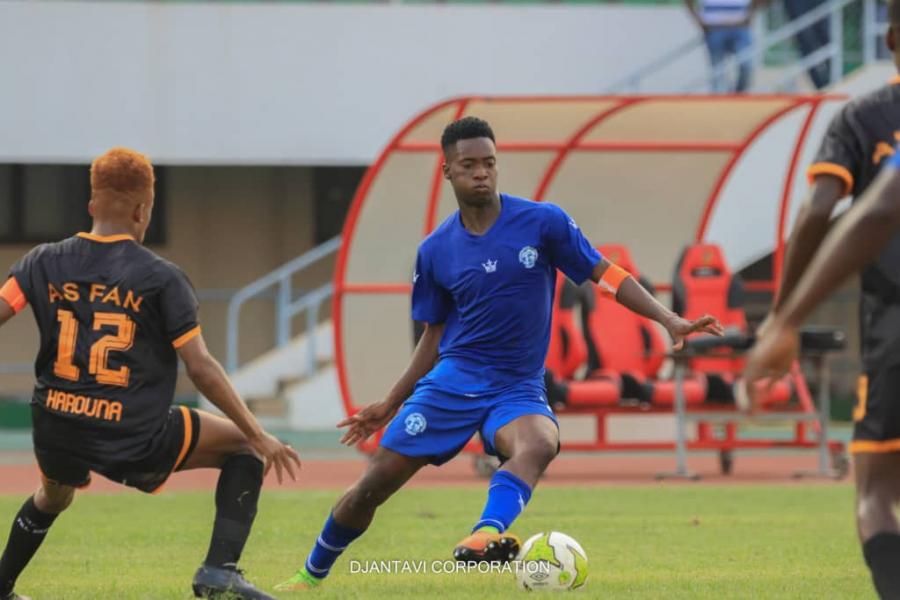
528	256
490	266
415	424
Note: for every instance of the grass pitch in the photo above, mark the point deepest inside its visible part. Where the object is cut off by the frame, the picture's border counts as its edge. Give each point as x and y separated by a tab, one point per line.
642	542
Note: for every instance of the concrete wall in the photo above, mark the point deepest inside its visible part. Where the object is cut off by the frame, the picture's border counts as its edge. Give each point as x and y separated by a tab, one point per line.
225	227
269	83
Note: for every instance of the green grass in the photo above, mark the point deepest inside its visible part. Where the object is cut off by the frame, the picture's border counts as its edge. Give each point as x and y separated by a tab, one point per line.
642	542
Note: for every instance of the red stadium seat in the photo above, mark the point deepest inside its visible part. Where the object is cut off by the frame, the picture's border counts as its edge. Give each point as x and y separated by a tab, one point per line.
598	392
612	316
705	285
625	352
567	350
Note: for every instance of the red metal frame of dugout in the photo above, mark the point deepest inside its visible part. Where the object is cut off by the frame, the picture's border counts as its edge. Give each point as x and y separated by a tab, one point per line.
706	439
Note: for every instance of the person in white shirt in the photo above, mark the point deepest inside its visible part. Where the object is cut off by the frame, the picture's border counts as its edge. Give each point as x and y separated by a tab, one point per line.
726	26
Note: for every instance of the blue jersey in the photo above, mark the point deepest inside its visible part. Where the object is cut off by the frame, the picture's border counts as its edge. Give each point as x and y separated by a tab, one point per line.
495	292
895	159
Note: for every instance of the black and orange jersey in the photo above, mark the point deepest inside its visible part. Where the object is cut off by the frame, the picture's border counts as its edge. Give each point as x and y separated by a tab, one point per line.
111	315
859	140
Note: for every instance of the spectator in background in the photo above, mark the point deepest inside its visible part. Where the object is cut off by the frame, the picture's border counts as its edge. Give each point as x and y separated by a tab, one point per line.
812	38
726	26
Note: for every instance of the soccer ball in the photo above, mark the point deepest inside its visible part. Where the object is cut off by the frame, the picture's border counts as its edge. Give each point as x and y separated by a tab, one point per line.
551	561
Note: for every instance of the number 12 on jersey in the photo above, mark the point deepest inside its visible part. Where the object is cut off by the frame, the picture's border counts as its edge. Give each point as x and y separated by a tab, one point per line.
121	341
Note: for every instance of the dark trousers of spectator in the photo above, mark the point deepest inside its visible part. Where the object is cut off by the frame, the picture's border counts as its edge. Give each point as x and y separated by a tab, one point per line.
812	38
722	42
882	52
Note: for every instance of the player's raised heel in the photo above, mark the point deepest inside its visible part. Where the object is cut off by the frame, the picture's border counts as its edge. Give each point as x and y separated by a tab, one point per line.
483	546
14	596
215	582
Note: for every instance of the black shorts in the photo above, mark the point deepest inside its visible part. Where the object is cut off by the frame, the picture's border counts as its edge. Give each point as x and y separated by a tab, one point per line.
876	415
167	453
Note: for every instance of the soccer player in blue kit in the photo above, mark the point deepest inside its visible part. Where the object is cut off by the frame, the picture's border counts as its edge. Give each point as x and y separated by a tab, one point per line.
483	285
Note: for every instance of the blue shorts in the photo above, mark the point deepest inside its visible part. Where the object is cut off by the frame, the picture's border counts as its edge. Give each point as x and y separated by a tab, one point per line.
439	424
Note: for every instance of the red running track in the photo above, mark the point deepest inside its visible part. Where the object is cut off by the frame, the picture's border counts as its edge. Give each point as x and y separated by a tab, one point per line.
569	470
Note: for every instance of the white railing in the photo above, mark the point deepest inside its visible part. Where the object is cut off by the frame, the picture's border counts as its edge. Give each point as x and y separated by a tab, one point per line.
870	31
286	307
634	81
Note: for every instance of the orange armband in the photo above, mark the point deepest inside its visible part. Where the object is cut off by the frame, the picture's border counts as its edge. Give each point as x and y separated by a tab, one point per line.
12	294
613	278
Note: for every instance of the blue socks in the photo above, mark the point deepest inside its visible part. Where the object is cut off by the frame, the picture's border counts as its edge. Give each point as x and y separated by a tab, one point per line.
507	497
330	544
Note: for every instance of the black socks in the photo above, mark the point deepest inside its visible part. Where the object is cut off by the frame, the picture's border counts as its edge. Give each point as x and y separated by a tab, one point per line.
237	494
28	531
882	553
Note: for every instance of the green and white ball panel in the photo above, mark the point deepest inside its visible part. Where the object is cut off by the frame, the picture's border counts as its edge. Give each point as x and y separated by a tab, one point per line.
551	561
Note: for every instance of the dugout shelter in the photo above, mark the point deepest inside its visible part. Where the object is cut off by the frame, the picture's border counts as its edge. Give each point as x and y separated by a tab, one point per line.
655	173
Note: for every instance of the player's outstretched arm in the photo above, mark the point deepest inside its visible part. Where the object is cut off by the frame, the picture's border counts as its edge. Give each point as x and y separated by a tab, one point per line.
375	416
632	295
211	380
853	243
810	228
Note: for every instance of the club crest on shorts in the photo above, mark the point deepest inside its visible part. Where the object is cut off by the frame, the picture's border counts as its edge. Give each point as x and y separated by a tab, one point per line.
528	256
415	423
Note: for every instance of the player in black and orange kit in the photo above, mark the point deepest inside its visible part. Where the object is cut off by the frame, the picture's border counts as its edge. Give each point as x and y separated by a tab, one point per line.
859	142
113	318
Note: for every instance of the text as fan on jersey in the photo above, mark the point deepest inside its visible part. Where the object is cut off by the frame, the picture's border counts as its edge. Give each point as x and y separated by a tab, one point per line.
95	292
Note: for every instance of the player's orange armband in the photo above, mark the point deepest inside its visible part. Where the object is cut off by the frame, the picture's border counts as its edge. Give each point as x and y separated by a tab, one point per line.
613	278
12	293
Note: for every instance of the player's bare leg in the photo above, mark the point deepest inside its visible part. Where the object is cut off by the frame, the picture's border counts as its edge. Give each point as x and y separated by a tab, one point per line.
28	531
222	445
386	473
53	498
531	442
877	494
219	440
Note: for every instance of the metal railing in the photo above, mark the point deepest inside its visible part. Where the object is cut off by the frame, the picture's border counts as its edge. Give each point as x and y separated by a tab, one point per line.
833	10
286	307
633	82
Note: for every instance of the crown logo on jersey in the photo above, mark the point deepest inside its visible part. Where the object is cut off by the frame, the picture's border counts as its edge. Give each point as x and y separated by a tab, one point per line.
490	266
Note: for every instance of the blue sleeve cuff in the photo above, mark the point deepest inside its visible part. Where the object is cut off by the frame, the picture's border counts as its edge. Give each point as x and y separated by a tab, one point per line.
426	317
593	262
